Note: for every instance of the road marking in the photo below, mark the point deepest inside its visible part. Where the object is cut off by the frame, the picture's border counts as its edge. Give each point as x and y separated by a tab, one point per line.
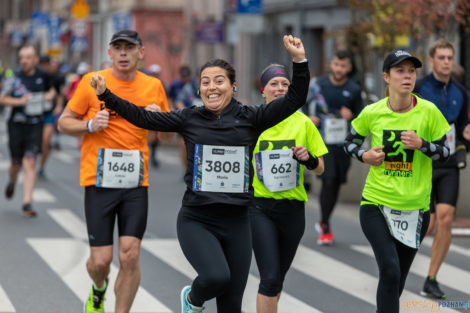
4	164
453	247
448	274
70	222
67	257
5	304
42	195
343	277
169	158
460	231
69	157
70	265
169	251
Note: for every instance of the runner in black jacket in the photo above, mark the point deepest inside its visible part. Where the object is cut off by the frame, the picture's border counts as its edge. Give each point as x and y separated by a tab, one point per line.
213	225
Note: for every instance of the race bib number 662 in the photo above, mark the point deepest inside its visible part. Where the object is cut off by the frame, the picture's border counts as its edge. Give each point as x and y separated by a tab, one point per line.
221	168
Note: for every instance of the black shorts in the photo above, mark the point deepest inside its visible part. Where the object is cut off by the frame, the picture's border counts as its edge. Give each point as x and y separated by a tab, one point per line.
445	187
337	163
102	205
24	140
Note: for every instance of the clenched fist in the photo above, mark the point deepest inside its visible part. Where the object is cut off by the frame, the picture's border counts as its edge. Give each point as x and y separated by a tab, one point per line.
295	47
98	83
375	156
100	121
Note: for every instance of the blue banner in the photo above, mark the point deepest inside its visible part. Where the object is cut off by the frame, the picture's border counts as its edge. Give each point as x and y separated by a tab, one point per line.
54	30
250	6
121	21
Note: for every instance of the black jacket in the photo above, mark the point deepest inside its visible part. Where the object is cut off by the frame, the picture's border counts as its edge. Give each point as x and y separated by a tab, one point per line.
236	125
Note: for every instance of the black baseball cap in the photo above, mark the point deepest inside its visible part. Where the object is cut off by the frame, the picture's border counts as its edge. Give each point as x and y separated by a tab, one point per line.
397	56
127	35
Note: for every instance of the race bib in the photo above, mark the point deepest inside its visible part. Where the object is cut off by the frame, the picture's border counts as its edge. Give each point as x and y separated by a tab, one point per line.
221	168
335	130
404	225
277	170
450	136
119	168
47	105
35	105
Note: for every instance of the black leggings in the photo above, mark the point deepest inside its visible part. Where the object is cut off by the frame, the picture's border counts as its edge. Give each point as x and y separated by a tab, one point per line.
216	240
328	197
393	258
277	227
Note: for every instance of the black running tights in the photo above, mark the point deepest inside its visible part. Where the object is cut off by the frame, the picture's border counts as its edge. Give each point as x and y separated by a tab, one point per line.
328	197
393	258
216	240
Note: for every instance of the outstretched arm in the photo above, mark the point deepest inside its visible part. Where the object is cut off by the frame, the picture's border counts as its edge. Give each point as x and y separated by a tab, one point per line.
139	116
270	114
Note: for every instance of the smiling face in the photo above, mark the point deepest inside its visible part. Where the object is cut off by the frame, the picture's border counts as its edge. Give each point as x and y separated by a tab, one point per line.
401	78
275	88
125	55
215	88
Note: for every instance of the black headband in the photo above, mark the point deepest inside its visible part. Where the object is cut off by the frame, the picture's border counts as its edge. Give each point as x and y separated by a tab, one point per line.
271	72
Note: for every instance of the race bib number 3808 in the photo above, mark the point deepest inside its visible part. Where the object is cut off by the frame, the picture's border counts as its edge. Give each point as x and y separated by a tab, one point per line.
221	168
119	168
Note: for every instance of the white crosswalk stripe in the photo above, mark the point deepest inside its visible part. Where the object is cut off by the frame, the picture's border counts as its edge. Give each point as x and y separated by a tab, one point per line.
447	273
67	258
453	247
5	304
70	265
43	195
332	272
170	252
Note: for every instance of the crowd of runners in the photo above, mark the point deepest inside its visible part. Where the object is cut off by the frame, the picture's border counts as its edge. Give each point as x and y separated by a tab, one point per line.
244	165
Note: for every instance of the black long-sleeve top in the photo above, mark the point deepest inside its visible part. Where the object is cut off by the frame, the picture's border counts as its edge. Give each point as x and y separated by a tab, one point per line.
236	125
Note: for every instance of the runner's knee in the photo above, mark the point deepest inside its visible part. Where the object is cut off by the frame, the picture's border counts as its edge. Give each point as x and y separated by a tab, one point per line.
216	280
270	287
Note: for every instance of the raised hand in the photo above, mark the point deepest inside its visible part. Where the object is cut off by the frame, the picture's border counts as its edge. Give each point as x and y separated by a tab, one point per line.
98	83
100	121
295	47
375	156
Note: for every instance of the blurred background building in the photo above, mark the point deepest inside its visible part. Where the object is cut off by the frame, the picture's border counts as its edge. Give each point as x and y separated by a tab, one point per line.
245	32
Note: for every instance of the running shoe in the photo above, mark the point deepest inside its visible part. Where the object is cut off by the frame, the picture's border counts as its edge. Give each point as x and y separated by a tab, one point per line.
326	236
95	302
431	289
41	174
28	211
9	191
155	162
187	307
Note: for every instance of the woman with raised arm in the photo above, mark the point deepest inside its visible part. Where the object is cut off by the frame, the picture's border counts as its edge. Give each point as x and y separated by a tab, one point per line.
408	133
277	214
213	224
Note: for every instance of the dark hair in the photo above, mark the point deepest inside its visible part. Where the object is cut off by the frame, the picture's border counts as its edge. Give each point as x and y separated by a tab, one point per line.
185	70
223	65
343	54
